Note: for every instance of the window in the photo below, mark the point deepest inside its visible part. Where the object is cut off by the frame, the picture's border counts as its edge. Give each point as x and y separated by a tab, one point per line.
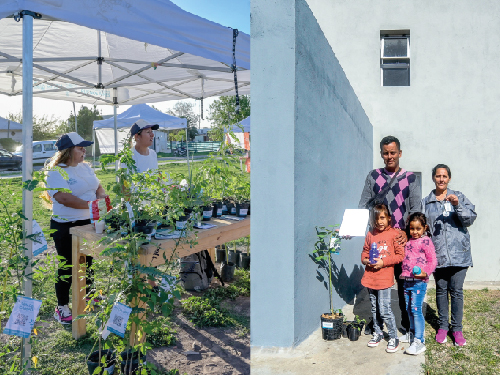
48	147
37	148
395	57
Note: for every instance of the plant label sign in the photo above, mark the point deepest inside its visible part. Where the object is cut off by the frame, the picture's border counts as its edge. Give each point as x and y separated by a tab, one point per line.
23	316
118	319
327	325
39	241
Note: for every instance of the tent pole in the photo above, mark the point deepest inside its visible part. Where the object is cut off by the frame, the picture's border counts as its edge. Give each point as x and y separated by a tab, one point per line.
116	138
187	151
93	148
76	121
27	164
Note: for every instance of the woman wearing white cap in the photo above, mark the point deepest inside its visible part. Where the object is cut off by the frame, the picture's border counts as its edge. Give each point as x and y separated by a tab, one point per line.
70	209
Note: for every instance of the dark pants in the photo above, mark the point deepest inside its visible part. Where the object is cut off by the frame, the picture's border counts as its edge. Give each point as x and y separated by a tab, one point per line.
405	320
450	280
63	242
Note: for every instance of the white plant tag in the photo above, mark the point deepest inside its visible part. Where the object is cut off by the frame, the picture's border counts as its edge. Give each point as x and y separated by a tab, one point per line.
118	319
243	211
39	242
233	210
23	316
219	211
181	224
327	325
207	214
447	206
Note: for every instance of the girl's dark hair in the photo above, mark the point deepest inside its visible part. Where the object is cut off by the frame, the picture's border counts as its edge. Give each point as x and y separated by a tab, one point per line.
376	211
417	216
434	170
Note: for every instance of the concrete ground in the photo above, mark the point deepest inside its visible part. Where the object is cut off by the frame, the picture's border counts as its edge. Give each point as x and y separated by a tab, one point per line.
316	356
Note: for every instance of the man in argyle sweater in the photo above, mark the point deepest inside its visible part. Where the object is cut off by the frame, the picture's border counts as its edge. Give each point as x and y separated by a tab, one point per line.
403	199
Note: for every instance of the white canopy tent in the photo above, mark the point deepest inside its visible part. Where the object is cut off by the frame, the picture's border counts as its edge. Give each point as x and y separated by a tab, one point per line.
103	128
183	56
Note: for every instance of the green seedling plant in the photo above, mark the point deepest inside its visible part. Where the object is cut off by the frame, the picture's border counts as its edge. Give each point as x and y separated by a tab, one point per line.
327	244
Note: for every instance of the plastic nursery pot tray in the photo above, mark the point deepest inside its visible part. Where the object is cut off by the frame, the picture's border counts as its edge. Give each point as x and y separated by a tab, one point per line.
331	326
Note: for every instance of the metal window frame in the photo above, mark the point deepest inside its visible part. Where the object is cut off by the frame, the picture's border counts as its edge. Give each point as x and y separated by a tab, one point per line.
385	60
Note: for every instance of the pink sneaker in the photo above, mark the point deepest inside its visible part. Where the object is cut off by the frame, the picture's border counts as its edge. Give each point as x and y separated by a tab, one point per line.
63	314
441	336
459	338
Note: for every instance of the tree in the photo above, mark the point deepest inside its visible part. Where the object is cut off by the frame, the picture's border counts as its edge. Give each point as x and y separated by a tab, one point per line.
185	110
223	114
44	128
85	122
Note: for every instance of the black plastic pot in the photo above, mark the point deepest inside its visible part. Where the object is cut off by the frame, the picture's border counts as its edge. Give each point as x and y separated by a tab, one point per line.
225	210
242	209
93	361
354	331
248	209
220	255
217	210
207	212
231	256
231	208
181	222
245	261
129	356
331	328
344	329
227	271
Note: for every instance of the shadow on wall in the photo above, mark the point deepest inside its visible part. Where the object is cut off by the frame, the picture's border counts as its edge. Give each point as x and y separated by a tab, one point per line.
346	286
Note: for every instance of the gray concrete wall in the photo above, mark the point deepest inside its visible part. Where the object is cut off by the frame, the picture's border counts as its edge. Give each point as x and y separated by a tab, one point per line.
449	114
311	144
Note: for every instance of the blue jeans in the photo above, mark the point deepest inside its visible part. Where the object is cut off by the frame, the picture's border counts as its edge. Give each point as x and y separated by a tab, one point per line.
382	312
414	299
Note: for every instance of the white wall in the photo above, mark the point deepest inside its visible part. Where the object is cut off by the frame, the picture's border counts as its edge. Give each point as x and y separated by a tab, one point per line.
18	135
314	143
450	112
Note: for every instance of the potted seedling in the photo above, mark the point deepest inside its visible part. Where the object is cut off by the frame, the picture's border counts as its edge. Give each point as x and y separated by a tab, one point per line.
326	245
354	328
245	257
227	267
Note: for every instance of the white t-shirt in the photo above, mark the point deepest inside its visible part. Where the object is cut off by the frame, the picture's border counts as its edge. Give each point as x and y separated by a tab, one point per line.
83	184
144	163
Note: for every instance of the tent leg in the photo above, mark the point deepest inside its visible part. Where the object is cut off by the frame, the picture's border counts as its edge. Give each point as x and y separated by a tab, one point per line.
187	152
93	148
116	140
27	164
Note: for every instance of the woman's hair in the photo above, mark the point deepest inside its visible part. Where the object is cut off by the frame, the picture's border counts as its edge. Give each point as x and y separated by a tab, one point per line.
60	157
417	216
434	170
376	211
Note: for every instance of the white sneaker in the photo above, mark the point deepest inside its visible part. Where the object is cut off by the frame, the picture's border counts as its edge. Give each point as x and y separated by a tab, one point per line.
63	314
416	347
407	337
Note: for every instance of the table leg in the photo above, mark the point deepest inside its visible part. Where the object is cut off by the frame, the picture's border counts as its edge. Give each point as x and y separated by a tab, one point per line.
79	328
211	251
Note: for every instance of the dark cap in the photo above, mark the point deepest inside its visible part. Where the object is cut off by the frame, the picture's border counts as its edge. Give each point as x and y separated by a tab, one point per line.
71	139
141	125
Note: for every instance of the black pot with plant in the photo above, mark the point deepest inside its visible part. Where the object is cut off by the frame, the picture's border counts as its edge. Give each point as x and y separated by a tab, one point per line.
93	361
217	210
131	360
231	208
220	253
225	209
181	222
244	261
242	209
207	212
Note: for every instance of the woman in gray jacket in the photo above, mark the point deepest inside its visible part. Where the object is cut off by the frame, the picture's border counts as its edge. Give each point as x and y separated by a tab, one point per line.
449	214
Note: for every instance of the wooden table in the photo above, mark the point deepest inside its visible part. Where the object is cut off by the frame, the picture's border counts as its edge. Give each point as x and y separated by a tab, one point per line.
150	255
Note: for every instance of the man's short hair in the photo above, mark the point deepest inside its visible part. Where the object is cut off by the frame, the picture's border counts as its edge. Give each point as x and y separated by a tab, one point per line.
388	140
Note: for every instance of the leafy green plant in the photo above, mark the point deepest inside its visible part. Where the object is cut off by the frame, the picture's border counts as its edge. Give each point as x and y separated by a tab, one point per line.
327	244
203	313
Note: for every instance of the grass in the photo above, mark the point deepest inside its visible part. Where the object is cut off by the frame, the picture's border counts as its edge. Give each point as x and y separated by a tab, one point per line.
481	328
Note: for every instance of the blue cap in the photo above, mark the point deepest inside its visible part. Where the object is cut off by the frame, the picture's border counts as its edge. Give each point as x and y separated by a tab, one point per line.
141	125
71	139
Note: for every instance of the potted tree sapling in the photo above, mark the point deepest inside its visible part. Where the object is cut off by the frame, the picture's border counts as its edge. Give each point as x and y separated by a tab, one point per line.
326	245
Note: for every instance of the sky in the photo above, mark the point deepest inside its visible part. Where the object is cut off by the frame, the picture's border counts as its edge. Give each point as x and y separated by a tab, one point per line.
230	13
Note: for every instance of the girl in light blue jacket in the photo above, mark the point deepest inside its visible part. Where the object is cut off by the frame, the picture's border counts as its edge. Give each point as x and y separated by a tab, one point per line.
449	213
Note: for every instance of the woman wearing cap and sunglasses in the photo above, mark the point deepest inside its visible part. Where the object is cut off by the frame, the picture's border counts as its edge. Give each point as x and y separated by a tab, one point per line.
70	209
